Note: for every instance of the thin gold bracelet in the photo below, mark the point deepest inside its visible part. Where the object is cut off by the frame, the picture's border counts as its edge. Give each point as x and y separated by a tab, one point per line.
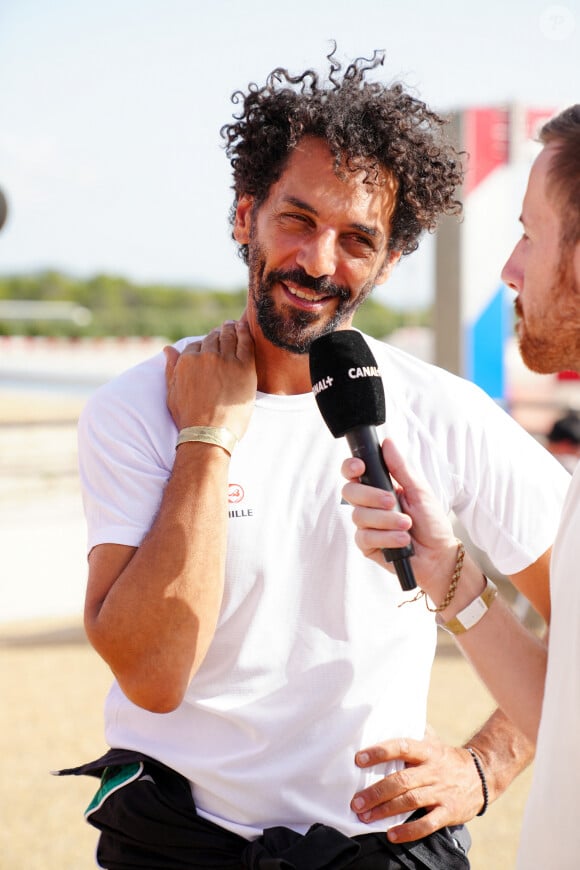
452	586
221	436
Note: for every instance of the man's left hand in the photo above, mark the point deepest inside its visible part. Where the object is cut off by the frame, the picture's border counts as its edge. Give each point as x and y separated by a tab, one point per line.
439	778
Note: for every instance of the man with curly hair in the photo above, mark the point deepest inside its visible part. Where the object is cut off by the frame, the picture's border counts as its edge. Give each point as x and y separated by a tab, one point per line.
259	660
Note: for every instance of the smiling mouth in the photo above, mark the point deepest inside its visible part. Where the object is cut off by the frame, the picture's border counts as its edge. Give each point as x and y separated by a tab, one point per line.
305	295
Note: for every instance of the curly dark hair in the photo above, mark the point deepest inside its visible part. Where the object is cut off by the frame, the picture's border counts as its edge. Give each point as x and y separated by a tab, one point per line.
362	122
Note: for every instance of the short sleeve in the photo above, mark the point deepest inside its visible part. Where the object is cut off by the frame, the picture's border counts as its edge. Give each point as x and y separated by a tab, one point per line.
126	451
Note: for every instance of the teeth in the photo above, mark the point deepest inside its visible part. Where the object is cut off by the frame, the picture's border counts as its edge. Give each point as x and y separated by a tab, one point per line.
301	294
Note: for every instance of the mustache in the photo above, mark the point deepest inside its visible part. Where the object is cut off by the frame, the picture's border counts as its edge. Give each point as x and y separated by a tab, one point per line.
323	286
518	307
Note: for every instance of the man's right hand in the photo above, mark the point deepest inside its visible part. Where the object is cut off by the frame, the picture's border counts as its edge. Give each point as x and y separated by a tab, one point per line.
212	382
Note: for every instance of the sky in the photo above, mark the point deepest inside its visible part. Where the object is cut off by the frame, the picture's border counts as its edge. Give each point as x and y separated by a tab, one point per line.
110	111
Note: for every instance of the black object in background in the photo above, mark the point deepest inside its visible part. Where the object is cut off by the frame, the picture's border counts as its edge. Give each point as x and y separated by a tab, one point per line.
3	209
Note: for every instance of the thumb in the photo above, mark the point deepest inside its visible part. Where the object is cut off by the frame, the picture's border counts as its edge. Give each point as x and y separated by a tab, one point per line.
415	495
412	487
397	466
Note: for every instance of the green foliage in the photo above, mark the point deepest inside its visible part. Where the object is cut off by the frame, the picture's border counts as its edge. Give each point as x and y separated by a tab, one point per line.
120	308
377	320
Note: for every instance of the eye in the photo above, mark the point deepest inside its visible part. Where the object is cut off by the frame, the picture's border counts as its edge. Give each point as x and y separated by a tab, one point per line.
359	245
364	241
295	218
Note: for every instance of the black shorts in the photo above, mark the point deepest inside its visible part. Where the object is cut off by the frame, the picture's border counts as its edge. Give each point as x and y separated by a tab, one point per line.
148	819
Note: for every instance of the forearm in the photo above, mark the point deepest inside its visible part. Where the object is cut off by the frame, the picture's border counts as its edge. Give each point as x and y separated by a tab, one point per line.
512	664
156	622
503	750
509	659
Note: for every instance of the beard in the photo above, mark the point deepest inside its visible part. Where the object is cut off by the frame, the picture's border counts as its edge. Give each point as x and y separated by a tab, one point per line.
290	328
550	341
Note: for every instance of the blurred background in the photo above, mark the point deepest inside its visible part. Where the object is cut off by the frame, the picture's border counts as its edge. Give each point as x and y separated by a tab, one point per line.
114	239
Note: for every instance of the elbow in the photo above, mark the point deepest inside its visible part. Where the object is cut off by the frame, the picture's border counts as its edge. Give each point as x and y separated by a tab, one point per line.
153	677
154	703
145	683
161	697
157	689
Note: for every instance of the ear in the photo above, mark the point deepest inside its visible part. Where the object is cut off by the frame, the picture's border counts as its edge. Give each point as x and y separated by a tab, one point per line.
387	267
243	219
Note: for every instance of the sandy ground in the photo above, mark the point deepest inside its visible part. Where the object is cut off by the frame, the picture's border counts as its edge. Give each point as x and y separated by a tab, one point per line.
52	684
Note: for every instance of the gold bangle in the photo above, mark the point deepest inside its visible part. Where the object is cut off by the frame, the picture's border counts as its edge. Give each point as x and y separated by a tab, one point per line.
452	586
221	436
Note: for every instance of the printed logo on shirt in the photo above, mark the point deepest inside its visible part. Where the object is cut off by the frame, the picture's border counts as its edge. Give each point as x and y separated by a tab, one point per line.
236	497
235	493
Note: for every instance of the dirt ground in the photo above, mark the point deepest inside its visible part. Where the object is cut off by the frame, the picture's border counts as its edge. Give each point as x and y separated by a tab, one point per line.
52	684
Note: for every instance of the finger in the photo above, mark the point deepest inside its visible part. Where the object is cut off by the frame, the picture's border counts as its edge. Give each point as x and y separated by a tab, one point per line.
192	348
372	542
406	478
397	465
227	338
359	494
352	468
370	808
399	749
245	343
171	357
382	519
417	830
412	778
211	342
381	793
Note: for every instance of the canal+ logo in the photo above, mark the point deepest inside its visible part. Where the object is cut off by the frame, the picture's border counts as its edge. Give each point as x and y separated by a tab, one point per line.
353	373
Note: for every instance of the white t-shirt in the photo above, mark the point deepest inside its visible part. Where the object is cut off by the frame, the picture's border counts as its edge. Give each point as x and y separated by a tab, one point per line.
551	829
312	659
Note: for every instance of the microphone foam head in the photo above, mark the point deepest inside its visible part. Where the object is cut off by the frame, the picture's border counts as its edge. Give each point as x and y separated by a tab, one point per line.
346	382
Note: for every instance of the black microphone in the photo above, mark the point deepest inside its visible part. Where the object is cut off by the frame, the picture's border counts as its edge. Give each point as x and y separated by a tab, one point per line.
350	396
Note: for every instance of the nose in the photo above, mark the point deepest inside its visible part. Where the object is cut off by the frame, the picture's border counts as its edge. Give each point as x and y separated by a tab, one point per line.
318	254
512	273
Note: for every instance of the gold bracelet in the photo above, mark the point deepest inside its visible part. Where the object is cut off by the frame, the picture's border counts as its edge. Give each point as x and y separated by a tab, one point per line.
221	436
452	586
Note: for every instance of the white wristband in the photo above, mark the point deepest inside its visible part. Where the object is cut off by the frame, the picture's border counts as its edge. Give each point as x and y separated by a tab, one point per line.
470	615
